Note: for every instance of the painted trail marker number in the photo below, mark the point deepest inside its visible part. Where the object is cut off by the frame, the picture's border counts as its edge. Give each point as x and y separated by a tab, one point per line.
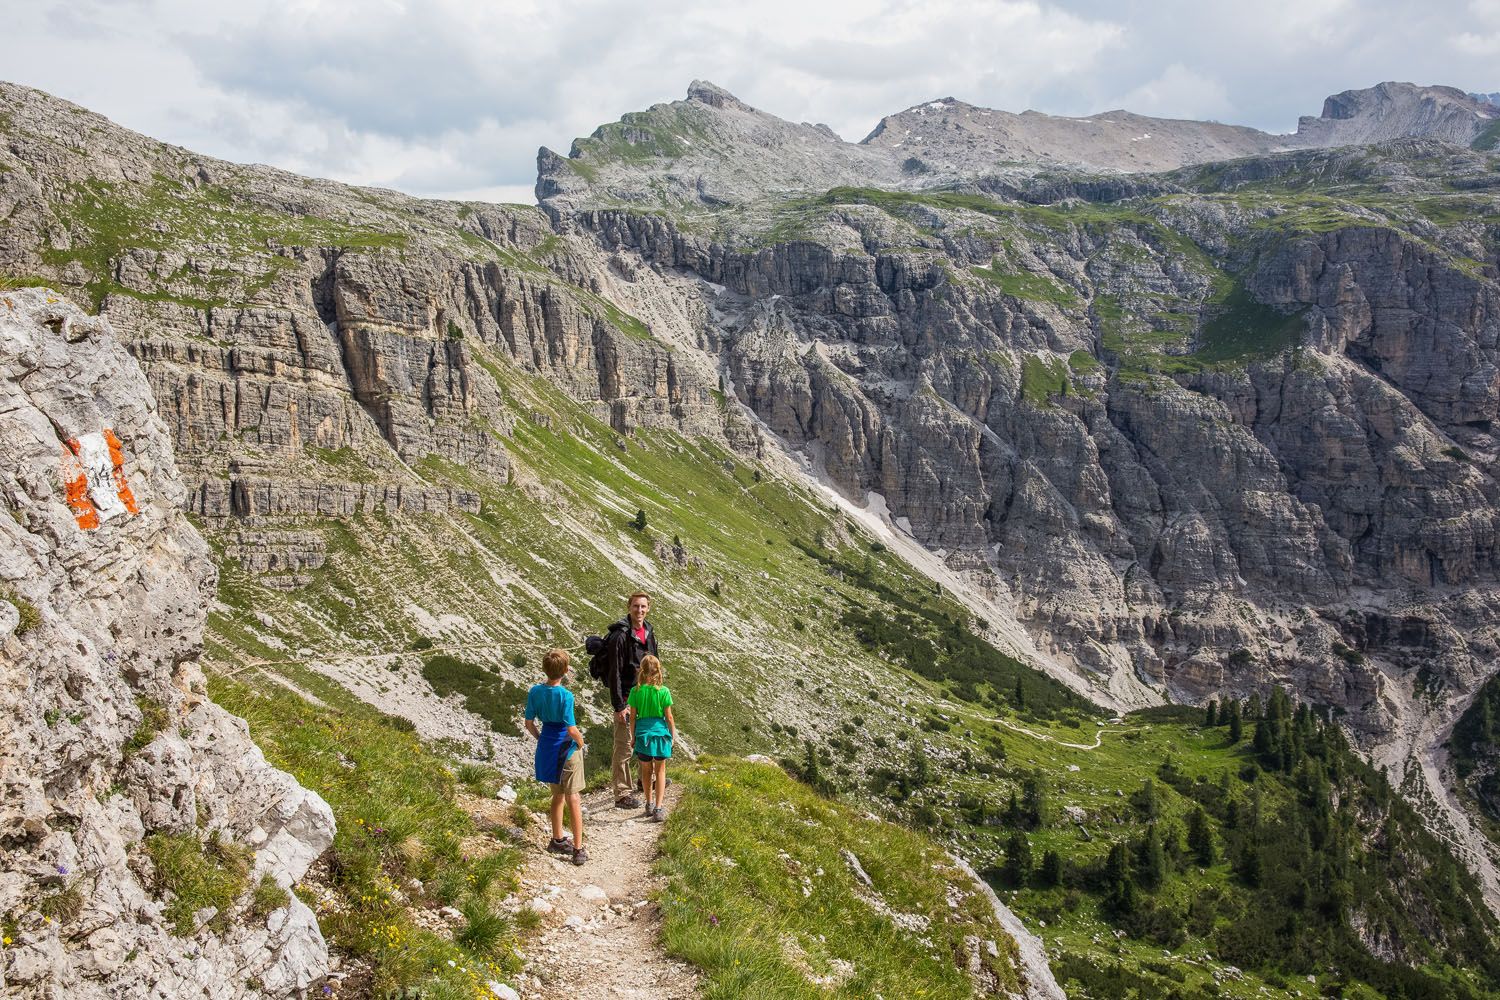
93	475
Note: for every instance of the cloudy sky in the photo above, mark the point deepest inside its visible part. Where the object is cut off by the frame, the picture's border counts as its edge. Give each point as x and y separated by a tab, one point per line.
452	98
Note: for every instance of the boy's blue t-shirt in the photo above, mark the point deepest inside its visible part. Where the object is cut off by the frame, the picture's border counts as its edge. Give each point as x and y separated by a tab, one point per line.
552	705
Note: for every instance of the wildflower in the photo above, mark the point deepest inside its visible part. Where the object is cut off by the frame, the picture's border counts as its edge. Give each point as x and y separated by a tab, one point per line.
7	940
62	870
713	919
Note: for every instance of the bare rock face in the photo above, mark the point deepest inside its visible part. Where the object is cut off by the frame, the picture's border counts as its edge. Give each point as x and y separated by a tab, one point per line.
320	352
948	134
106	733
1395	110
1228	527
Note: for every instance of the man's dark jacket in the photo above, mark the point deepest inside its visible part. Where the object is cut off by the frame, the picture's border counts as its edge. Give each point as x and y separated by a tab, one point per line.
625	653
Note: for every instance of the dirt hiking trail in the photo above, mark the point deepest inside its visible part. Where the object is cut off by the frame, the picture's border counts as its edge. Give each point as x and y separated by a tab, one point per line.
600	933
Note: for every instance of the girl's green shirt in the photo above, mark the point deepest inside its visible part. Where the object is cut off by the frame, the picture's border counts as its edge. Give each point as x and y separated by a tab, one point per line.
649	701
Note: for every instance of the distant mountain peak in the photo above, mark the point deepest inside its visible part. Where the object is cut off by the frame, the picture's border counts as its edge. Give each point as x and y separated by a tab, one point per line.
713	149
715	96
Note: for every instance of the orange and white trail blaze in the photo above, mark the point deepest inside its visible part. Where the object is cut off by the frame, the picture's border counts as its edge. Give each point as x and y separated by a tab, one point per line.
117	463
93	476
76	488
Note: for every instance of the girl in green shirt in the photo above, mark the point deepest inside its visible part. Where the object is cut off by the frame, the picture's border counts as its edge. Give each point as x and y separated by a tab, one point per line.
653	731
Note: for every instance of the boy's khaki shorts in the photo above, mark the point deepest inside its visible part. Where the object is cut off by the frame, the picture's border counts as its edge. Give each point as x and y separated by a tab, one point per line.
572	775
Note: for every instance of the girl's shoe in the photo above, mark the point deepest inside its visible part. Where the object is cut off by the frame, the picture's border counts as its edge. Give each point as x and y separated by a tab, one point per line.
580	856
647	813
659	815
562	845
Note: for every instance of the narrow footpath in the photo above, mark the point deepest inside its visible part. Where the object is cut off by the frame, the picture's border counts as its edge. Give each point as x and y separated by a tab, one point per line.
600	932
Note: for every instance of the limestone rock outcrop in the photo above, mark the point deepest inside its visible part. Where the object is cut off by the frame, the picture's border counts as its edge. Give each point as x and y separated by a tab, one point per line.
107	736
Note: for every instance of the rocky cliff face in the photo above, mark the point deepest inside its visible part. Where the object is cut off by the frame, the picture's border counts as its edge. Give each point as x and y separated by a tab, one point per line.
119	775
1397	110
949	135
1261	454
319	351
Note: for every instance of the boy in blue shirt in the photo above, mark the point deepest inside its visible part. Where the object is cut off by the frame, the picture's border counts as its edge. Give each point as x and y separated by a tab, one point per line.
559	752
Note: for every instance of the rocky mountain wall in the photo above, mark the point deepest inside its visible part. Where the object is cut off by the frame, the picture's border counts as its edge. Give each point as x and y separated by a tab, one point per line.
109	745
1217	414
1176	519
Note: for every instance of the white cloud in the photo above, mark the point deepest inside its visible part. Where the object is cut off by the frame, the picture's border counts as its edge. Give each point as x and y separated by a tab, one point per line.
1477	45
1180	93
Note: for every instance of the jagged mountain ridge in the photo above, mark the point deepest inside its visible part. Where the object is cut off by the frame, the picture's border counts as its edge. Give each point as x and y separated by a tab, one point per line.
713	149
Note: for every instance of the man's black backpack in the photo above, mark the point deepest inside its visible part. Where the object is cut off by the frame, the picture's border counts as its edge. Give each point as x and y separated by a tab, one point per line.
598	650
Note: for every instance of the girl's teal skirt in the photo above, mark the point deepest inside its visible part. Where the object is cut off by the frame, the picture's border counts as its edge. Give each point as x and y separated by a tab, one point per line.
653	738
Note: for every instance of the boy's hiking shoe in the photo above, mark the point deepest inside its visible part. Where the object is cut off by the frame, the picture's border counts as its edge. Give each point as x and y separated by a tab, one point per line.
580	856
658	815
627	802
563	845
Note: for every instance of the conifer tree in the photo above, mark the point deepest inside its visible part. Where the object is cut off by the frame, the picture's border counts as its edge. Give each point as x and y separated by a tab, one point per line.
1036	810
1200	838
1052	870
1153	862
1018	859
1249	868
1146	802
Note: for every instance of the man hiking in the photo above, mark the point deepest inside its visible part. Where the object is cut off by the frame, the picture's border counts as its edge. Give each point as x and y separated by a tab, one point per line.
630	639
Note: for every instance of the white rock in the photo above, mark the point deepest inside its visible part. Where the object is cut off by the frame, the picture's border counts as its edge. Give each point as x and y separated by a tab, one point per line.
593	894
539	906
501	991
574	922
506	794
122	613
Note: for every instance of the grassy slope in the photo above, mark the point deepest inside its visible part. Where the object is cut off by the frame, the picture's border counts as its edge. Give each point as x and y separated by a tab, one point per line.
760	895
403	845
1080	928
521	598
